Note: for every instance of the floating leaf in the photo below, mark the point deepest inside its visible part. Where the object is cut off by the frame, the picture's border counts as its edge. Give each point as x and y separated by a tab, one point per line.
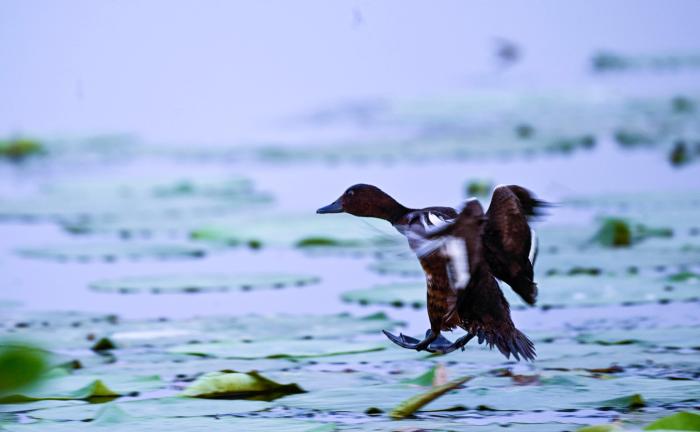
617	232
398	295
601	428
617	62
413	404
556	291
625	402
683	276
614	233
232	385
115	202
83	387
429	378
169	284
114	251
682	421
299	231
113	418
24	407
479	187
282	348
18	149
154	408
21	365
673	338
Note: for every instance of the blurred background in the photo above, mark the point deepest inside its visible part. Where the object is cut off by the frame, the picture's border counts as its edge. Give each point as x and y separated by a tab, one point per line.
164	160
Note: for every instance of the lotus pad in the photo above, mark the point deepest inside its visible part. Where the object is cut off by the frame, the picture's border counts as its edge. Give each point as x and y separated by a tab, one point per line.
169	284
153	408
232	385
282	348
114	251
133	199
114	419
568	291
301	231
85	387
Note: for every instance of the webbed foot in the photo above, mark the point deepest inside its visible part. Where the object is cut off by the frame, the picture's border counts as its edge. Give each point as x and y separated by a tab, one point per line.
459	343
432	343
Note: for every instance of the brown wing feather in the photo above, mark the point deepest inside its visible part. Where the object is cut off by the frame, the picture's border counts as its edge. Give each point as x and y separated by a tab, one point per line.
507	223
507	238
485	313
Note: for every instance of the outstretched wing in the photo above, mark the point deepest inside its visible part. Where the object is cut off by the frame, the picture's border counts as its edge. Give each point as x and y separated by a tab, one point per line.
485	313
509	242
481	308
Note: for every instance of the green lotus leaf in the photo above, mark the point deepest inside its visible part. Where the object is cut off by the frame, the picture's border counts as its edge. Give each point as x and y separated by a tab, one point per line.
414	403
107	205
672	338
552	291
84	387
113	418
601	428
166	284
682	421
113	251
398	295
21	366
238	385
425	379
282	348
154	408
299	231
625	402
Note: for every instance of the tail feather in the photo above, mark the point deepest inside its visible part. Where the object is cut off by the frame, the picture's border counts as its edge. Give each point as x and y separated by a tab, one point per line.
509	343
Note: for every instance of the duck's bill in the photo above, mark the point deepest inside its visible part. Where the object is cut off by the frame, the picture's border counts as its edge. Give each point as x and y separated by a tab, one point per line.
336	207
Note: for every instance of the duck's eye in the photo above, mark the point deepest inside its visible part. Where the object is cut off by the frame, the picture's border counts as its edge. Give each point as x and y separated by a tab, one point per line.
351	192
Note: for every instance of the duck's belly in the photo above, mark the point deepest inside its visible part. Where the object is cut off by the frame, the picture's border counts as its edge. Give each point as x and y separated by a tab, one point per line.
441	298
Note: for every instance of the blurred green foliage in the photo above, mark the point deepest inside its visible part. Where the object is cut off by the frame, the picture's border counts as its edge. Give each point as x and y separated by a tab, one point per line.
479	187
618	232
18	149
21	365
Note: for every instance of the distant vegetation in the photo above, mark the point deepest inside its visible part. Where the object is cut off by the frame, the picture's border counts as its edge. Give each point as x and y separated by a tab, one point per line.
606	61
19	149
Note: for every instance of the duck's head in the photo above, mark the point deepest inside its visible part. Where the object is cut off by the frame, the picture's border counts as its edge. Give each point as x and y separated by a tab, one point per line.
366	201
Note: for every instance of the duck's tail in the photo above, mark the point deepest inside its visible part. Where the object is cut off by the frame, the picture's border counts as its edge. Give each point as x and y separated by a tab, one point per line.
509	342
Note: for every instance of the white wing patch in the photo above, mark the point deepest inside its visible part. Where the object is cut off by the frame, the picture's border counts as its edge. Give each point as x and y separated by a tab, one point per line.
532	256
458	268
435	219
430	223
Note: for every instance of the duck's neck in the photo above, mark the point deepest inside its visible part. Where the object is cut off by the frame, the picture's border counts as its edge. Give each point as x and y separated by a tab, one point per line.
394	213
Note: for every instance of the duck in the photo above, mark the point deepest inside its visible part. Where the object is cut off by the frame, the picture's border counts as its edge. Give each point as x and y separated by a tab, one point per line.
464	252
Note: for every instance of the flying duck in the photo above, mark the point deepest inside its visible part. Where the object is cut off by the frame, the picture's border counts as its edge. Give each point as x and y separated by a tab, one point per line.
462	254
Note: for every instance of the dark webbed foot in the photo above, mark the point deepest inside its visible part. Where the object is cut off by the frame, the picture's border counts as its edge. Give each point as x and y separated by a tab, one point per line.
412	343
459	343
431	343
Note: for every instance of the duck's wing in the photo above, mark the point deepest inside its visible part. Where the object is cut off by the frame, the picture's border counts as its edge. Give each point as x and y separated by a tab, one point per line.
460	242
485	314
420	225
509	242
480	308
